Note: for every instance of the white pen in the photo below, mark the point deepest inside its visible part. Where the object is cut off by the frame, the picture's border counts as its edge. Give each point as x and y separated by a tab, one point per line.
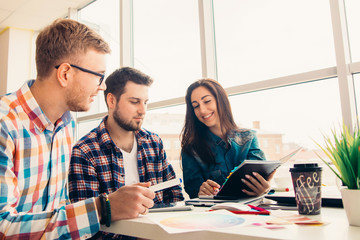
166	184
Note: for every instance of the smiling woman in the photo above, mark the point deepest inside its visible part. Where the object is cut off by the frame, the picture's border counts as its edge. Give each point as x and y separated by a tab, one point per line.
204	105
212	144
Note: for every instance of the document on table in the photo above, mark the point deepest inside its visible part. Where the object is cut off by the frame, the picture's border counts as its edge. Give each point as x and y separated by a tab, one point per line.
196	221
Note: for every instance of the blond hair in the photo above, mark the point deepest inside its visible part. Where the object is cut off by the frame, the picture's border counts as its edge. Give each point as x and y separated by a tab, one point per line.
64	40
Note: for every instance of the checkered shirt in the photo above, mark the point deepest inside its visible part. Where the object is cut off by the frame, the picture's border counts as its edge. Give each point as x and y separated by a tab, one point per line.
34	161
97	165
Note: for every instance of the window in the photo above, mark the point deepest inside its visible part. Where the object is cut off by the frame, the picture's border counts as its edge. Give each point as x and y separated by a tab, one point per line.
290	117
255	41
264	143
103	16
177	145
277	149
260	40
353	20
167	123
85	127
299	112
167	144
167	45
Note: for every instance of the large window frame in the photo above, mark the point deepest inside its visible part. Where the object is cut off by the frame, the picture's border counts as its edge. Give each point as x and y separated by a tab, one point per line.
343	70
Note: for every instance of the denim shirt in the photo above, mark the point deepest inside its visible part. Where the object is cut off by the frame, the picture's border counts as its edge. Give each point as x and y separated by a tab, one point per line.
242	145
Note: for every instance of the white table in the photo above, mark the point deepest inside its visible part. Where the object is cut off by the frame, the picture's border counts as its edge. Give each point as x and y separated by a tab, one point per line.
337	228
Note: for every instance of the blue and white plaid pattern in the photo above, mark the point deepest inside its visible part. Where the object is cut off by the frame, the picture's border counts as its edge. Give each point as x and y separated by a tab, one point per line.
34	161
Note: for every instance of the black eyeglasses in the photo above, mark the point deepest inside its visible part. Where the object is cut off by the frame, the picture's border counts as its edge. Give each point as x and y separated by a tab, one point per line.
102	76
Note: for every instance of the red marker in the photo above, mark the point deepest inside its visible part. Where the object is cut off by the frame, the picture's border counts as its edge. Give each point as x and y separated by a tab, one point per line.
259	211
281	189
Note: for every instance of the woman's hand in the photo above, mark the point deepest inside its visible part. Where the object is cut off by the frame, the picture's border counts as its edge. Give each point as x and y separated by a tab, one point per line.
209	188
257	184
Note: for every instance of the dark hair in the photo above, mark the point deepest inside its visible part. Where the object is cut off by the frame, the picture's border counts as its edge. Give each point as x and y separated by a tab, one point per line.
194	134
64	40
116	82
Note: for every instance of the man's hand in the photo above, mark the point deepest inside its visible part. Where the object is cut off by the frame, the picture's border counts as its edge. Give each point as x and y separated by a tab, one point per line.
209	188
130	201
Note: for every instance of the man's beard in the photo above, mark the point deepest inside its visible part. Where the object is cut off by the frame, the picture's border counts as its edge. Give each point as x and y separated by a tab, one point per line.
128	126
75	104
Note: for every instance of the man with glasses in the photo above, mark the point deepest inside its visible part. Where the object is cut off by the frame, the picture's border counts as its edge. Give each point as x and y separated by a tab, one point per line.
36	137
119	152
102	76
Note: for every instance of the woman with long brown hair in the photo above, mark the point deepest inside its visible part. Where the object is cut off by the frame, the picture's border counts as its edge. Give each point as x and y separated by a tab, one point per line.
212	144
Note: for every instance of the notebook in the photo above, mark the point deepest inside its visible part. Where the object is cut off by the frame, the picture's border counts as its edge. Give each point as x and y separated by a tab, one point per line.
330	197
232	187
211	201
290	200
170	207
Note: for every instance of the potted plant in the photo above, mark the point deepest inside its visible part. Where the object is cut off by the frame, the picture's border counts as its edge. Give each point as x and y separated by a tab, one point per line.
344	152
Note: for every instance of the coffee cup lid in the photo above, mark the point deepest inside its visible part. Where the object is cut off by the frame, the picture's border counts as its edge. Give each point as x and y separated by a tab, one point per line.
305	167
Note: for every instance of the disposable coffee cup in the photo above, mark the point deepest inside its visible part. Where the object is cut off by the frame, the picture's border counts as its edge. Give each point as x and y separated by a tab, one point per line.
306	180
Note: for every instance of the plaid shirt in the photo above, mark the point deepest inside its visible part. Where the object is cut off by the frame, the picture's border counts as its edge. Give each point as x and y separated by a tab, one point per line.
34	160
97	165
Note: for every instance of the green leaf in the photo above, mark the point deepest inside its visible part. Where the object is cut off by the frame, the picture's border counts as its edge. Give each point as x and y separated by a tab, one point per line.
343	150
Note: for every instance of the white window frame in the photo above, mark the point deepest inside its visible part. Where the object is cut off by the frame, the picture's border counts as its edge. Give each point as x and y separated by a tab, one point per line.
343	70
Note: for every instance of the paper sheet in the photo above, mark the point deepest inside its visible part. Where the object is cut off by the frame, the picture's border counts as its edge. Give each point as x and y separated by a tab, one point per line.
196	221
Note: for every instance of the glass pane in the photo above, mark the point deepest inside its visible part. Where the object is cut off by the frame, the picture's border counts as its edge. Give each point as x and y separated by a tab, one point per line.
167	45
264	39
357	91
168	123
293	116
103	16
353	20
83	128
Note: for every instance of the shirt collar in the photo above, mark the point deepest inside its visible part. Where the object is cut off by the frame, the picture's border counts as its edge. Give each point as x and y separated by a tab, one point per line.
34	112
103	134
218	140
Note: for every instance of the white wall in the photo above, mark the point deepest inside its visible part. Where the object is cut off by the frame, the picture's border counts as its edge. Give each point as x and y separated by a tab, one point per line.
17	58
